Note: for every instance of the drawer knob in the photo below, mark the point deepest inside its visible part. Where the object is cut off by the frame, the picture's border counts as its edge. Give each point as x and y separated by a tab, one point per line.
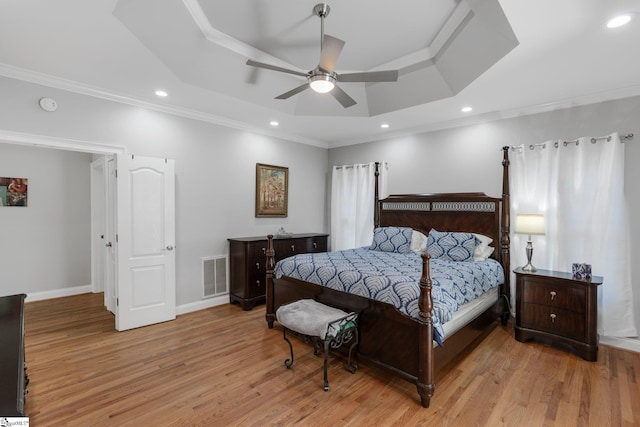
293	248
264	250
553	318
258	283
315	245
257	266
553	294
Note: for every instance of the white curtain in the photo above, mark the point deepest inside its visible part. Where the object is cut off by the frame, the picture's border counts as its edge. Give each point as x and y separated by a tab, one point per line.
579	188
352	204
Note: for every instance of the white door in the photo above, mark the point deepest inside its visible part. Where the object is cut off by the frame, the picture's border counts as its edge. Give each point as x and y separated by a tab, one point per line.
98	224
111	276
145	241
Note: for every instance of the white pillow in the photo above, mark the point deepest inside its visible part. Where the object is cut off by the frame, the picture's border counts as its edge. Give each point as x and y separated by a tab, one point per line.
483	255
482	250
418	241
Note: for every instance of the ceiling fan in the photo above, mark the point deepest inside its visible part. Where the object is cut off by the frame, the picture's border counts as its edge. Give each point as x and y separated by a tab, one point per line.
323	79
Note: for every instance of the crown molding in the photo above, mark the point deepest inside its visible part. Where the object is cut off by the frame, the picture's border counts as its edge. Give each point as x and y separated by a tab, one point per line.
97	92
593	98
21	138
226	41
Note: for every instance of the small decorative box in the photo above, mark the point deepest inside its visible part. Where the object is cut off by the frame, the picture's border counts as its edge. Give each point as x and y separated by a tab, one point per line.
581	271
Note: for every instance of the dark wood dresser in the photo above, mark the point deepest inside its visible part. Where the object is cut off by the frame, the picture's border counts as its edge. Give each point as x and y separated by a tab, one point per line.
553	306
247	262
13	374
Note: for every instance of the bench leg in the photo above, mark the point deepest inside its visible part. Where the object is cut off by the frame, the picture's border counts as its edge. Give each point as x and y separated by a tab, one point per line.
289	362
326	359
353	367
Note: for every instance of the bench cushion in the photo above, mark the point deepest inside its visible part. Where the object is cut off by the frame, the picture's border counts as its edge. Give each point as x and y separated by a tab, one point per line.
308	317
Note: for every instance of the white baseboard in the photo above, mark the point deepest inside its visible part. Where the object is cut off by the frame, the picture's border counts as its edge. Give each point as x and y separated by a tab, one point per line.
201	305
57	293
632	344
181	309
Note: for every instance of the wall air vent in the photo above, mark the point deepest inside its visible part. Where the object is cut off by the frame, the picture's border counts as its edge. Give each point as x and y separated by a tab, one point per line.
214	276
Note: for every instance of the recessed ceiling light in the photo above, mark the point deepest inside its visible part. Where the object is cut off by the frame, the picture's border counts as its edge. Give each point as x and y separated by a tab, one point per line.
384	125
273	123
466	109
618	21
161	93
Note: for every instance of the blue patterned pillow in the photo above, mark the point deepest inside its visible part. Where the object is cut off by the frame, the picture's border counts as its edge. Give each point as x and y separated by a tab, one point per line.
451	246
392	239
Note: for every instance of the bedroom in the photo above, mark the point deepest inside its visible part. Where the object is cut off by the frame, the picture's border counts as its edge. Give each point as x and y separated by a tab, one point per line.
208	154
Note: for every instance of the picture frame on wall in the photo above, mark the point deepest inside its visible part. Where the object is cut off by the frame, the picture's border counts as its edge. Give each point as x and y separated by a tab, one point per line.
272	191
13	191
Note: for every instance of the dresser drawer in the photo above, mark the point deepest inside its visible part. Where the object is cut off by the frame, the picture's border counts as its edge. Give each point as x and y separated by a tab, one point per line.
317	244
285	248
555	321
565	297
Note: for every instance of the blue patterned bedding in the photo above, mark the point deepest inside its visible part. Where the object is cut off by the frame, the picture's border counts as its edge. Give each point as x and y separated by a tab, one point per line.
394	278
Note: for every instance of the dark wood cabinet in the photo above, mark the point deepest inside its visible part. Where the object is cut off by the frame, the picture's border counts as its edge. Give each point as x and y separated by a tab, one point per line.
13	369
553	306
247	262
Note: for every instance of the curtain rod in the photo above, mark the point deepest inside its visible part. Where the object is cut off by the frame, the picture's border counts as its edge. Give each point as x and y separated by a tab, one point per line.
575	141
365	165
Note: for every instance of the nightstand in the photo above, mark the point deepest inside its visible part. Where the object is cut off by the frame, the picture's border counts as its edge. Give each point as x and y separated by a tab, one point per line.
553	306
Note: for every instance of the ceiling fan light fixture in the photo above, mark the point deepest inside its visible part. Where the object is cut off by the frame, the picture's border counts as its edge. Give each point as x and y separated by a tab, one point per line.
322	83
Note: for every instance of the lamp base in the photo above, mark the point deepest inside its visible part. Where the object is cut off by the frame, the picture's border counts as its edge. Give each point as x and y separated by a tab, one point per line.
529	267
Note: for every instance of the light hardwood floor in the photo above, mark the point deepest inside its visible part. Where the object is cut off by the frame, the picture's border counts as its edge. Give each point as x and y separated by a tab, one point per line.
224	367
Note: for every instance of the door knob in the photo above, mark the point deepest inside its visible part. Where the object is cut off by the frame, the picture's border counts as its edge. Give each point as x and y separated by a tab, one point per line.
169	248
109	245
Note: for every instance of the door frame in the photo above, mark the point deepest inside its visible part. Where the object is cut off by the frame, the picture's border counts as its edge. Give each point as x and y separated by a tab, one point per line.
43	141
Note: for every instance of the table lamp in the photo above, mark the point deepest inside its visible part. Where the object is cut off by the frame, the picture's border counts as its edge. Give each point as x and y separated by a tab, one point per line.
529	224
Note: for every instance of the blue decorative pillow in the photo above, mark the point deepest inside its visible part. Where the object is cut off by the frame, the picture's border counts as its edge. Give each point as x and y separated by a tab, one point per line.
392	239
451	246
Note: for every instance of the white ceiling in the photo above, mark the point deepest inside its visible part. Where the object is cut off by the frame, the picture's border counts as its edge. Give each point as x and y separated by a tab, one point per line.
502	57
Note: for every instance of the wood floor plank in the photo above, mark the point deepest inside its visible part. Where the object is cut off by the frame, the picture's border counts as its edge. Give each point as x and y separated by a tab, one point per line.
223	367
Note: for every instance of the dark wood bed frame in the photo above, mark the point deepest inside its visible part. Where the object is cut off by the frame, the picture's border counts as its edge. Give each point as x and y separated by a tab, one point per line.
388	338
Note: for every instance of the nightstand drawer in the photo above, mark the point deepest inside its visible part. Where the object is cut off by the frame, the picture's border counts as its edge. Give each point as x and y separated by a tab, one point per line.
554	321
538	291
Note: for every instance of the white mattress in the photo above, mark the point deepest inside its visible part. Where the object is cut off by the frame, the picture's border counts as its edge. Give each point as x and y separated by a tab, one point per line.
470	311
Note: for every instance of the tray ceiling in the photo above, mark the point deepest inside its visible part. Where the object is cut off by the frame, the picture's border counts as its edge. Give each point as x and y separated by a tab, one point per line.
502	57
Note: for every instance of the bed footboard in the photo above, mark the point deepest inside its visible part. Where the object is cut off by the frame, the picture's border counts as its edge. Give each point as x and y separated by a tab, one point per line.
383	329
426	381
271	265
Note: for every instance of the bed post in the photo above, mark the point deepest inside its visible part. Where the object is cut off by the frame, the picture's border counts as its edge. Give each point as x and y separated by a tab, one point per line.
425	384
271	265
376	198
505	257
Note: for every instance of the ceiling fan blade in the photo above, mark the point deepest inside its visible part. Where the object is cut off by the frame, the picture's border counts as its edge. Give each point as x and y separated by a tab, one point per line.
275	68
342	97
293	91
331	48
370	76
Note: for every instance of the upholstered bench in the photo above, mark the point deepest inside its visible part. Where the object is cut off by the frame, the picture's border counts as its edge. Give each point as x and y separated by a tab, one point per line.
326	326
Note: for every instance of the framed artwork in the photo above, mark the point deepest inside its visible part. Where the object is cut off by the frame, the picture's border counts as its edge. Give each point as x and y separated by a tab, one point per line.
13	192
272	191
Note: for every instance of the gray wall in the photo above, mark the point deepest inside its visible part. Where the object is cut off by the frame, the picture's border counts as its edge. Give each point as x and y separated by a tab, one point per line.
469	158
215	177
46	246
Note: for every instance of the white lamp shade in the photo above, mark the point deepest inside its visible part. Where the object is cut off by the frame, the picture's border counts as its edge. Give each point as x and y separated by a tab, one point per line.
530	224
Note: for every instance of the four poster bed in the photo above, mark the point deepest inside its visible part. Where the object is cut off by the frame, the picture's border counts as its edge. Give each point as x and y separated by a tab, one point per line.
414	340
